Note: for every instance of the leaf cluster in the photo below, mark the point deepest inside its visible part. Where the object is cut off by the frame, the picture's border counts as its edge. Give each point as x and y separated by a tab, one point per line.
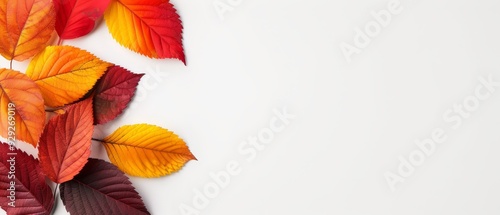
65	91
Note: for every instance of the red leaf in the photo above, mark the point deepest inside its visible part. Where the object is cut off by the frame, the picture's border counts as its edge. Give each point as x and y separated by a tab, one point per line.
100	188
65	142
76	18
33	195
113	93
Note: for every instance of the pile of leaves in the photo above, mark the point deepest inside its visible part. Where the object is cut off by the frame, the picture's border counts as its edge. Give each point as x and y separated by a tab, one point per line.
66	91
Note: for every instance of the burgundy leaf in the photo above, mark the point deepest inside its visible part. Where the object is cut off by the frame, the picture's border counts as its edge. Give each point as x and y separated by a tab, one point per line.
113	93
32	194
101	188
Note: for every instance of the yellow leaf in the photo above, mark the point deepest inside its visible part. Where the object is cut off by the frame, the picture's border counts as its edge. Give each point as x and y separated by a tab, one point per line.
65	73
22	114
25	27
146	150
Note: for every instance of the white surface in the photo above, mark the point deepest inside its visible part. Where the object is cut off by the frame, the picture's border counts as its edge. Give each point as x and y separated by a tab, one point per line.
352	121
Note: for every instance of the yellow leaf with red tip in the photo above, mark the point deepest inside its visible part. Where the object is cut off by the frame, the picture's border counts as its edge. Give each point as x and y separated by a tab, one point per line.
152	28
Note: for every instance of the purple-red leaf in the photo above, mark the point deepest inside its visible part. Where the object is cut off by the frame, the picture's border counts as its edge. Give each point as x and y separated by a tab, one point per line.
65	143
100	188
76	18
113	93
32	194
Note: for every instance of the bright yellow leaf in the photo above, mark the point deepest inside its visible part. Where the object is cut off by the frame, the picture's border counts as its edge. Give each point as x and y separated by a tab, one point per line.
22	113
65	73
146	150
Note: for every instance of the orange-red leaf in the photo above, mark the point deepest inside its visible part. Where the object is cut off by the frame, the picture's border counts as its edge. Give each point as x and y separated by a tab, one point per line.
22	112
152	28
25	27
65	73
147	150
65	142
76	18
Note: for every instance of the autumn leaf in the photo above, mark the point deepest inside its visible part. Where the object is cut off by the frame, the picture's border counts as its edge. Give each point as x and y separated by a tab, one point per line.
76	18
100	188
26	26
22	111
146	150
113	93
152	28
65	142
32	194
65	73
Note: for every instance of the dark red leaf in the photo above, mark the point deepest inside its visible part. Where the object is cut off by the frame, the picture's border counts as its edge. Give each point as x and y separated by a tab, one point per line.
100	188
113	93
65	143
32	194
76	18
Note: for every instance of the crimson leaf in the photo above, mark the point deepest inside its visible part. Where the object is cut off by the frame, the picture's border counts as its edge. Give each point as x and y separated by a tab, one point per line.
76	18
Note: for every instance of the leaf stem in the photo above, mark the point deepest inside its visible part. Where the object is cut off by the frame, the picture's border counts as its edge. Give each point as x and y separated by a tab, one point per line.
53	110
55	189
59	42
98	140
55	199
11	63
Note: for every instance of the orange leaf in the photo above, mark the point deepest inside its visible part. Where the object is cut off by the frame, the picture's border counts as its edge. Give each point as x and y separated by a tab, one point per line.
146	150
151	28
65	73
65	142
25	27
21	107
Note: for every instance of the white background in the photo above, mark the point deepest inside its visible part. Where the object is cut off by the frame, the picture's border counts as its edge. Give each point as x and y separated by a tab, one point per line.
353	120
